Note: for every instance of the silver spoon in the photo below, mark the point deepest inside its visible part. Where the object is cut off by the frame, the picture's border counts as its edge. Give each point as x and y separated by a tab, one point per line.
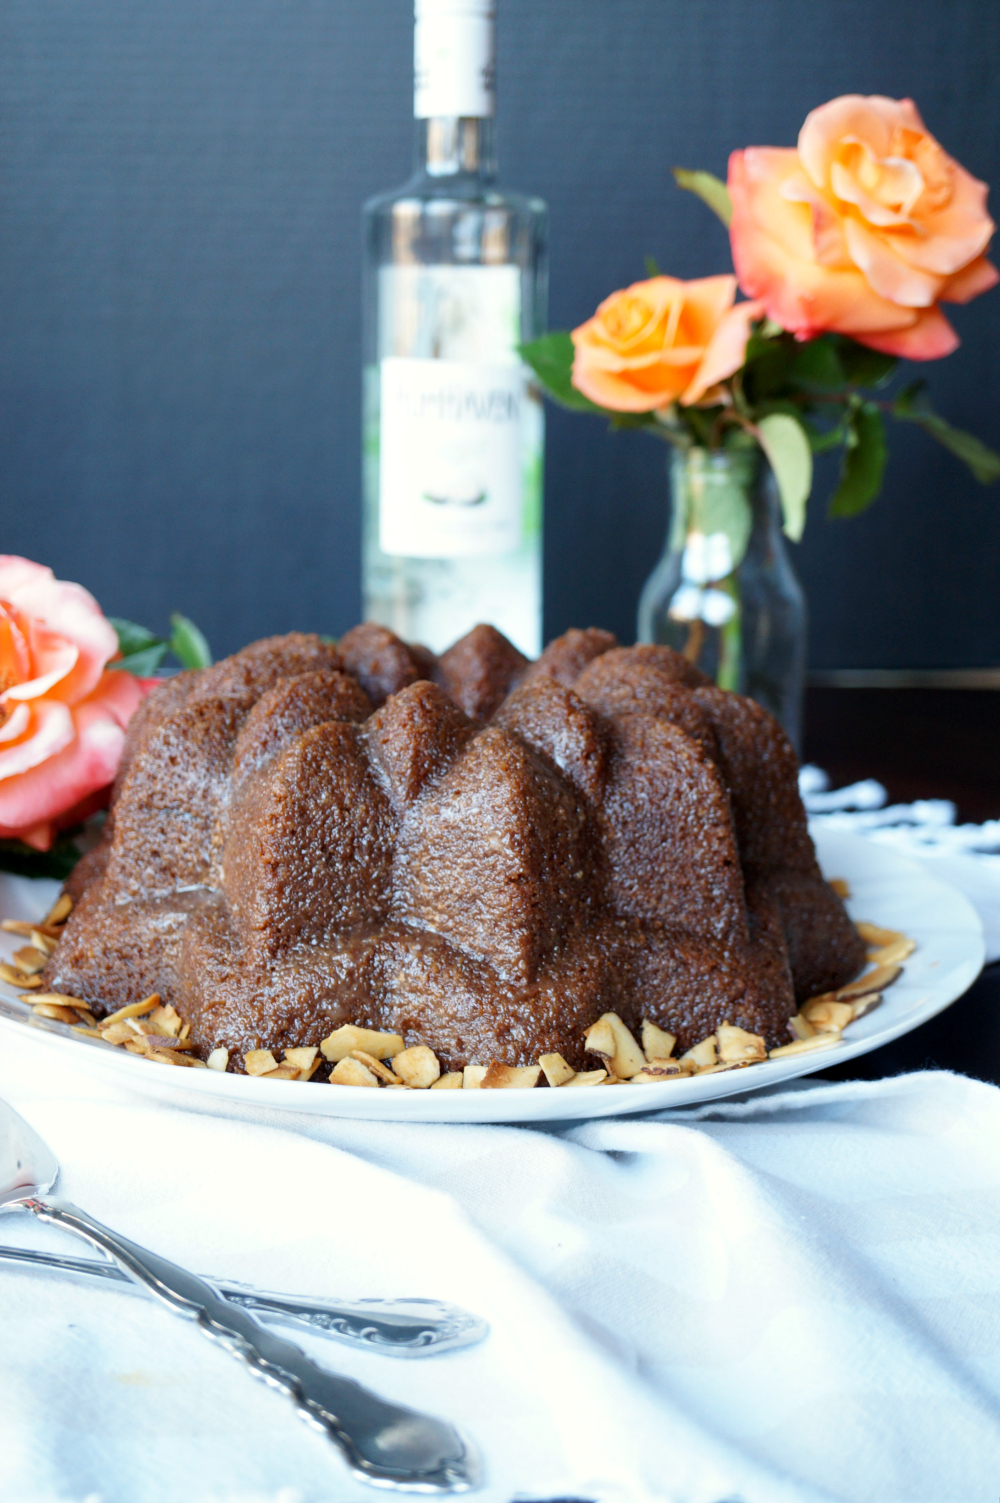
382	1442
391	1327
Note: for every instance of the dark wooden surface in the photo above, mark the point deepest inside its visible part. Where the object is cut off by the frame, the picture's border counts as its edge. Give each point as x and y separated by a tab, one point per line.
921	743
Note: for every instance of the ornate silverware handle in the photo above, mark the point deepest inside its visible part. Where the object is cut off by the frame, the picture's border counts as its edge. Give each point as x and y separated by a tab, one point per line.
393	1327
384	1443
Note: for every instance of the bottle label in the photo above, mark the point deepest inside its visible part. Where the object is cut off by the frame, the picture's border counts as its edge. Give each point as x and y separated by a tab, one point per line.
451	457
454	58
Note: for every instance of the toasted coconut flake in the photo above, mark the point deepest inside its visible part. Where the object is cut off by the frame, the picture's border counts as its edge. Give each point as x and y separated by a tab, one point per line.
14	976
893	954
351	1072
29	961
42	942
87	1031
117	1033
472	1077
282	1072
657	1043
88	1017
219	1060
376	1066
828	1017
861	1005
60	910
26	929
588	1077
134	1009
259	1062
61	998
874	934
507	1077
343	1040
557	1072
732	1064
450	1082
135	1046
609	1038
805	1046
800	1027
875	981
704	1054
166	1020
165	1057
302	1059
662	1069
417	1067
737	1044
53	1010
841	887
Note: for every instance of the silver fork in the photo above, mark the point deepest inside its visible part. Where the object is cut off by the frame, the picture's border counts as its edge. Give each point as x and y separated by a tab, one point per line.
391	1327
383	1443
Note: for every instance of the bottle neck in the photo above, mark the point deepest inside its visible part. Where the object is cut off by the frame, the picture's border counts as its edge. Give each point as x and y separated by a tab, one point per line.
450	146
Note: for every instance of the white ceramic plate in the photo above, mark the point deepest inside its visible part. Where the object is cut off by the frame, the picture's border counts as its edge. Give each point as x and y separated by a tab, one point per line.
886	889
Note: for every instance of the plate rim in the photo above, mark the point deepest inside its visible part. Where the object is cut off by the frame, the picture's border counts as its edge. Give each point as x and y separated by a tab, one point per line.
512	1107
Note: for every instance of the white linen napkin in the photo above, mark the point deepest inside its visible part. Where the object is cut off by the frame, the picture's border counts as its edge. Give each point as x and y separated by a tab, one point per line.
966	855
786	1299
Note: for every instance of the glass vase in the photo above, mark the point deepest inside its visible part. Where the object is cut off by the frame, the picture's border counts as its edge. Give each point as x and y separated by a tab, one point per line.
724	593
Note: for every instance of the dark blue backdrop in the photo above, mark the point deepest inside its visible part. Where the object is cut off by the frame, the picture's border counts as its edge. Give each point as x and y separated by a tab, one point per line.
179	275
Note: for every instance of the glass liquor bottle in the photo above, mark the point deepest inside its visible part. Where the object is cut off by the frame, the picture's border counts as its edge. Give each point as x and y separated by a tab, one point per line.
455	278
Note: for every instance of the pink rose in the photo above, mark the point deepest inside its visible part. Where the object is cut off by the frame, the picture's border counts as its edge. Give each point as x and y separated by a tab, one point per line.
62	717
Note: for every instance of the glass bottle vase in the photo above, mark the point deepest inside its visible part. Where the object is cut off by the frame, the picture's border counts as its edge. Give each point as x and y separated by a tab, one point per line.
724	593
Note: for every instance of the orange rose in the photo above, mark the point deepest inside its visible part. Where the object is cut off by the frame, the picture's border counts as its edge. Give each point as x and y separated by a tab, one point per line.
662	341
862	230
62	717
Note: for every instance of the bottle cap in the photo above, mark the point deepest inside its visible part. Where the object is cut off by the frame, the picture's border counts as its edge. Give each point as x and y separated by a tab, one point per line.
454	58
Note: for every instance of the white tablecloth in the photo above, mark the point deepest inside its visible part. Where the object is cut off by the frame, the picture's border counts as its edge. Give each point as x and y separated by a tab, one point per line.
791	1298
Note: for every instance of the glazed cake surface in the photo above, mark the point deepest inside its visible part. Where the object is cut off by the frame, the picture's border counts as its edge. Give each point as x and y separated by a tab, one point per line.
480	853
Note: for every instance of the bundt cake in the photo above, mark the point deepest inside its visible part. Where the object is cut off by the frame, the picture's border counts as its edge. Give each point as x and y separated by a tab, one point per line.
477	852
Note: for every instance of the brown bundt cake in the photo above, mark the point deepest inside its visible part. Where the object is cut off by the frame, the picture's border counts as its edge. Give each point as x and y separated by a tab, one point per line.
476	852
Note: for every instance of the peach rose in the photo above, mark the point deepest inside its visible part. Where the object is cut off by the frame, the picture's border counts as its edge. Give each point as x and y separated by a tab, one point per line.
662	341
62	717
862	230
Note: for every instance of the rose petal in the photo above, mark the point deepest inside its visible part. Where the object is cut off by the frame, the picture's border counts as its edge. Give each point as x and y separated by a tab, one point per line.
51	729
726	350
39	837
15	656
52	660
16	723
978	277
871	119
885	272
929	338
88	763
69	611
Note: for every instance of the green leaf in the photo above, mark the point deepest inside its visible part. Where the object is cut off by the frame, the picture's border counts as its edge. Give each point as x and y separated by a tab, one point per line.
188	644
786	445
551	359
143	663
141	650
865	367
864	462
823	442
24	861
652	267
817	367
911	405
132	638
710	189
